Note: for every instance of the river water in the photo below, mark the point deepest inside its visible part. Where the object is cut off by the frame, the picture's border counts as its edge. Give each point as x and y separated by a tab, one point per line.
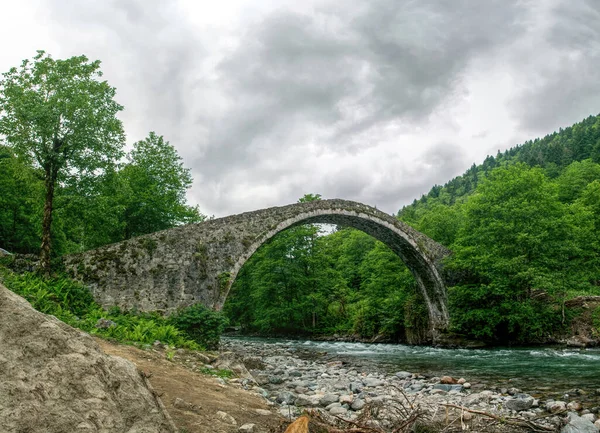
548	371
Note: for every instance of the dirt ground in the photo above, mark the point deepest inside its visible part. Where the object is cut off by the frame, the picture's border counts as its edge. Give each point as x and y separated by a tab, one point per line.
202	395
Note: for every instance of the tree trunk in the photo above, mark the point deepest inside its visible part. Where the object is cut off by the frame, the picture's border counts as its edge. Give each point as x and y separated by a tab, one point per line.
47	222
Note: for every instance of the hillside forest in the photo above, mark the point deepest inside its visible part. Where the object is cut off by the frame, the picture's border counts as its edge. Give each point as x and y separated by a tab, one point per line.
524	226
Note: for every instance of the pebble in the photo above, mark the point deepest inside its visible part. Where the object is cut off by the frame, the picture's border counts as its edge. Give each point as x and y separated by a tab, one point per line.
225	417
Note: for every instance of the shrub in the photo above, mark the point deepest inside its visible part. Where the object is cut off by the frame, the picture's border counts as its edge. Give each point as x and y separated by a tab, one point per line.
201	324
72	303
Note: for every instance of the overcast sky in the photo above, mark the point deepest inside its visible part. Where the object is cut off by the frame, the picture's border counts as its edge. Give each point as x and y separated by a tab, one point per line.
374	101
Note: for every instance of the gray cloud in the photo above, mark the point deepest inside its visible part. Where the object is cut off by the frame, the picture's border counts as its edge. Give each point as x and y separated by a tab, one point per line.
334	76
364	102
562	75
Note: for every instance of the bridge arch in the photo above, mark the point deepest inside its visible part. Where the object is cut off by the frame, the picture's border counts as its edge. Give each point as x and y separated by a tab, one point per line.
392	233
198	263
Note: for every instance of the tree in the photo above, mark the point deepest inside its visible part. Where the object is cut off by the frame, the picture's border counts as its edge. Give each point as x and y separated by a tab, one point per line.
59	114
157	182
517	238
20	204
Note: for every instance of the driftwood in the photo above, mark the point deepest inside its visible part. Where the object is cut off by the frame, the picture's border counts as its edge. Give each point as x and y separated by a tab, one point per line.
515	421
404	414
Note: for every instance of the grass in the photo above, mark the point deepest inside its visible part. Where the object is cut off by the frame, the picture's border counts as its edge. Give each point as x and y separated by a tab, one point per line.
224	374
72	303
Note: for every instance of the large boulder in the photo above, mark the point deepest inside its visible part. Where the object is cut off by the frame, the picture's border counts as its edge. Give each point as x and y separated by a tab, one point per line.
55	379
578	425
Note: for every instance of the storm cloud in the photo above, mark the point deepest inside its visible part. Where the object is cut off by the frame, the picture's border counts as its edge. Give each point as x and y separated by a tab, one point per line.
371	101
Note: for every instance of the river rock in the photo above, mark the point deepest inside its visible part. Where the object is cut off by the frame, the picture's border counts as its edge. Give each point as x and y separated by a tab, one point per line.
556	406
338	410
357	404
289	412
226	418
521	402
55	379
447	388
579	425
448	380
327	399
260	378
346	399
589	416
373	382
304	400
275	380
355	387
286	397
404	375
232	361
247	428
574	406
341	386
597	424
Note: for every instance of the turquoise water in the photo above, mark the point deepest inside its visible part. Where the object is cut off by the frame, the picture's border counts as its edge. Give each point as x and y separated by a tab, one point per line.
545	370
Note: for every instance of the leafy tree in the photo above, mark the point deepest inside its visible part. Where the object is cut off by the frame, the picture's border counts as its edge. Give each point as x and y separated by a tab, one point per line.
59	114
20	209
517	238
157	183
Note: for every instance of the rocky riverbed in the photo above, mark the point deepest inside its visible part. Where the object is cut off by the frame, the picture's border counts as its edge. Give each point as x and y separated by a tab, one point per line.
294	382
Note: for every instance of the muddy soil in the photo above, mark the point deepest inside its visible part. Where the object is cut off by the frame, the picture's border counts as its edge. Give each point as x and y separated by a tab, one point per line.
196	401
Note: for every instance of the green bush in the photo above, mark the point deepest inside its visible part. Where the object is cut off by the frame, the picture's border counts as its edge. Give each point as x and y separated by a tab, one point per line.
201	324
72	303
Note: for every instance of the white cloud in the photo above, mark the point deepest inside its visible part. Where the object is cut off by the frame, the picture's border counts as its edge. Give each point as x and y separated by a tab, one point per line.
269	100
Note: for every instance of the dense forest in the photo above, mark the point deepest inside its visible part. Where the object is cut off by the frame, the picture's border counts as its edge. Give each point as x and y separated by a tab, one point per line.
524	228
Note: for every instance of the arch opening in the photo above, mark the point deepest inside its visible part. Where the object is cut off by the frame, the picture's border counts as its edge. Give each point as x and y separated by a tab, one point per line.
413	254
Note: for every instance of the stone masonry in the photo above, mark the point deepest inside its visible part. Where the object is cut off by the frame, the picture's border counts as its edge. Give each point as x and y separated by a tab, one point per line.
198	263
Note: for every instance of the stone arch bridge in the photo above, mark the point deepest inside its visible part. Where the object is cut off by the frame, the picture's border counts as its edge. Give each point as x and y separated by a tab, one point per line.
199	262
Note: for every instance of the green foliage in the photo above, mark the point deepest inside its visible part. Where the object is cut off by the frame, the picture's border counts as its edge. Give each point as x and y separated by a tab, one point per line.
60	141
73	304
156	182
20	204
305	281
525	240
200	324
224	374
60	116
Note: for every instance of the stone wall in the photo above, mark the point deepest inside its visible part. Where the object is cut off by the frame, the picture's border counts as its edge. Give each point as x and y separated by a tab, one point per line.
199	262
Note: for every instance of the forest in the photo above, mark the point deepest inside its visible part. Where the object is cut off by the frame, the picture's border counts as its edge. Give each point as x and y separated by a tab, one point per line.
524	226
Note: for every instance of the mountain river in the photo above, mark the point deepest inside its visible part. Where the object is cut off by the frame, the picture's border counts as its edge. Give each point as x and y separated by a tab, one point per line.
547	371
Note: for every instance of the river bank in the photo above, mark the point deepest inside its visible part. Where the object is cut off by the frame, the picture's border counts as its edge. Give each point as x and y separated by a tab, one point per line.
297	378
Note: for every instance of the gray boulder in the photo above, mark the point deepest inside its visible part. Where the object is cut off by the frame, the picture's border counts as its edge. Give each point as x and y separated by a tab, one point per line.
579	425
286	397
521	402
55	379
327	399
